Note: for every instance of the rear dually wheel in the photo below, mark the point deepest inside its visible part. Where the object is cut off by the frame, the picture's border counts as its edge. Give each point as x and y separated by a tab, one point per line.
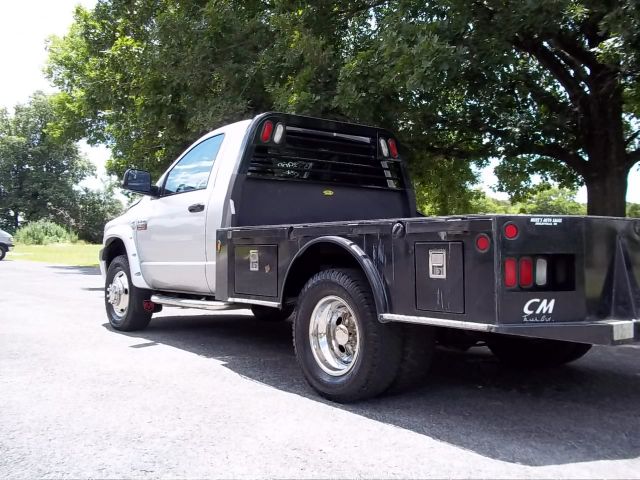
344	352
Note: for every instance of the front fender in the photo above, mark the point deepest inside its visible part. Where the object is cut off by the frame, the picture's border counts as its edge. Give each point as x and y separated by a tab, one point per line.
125	234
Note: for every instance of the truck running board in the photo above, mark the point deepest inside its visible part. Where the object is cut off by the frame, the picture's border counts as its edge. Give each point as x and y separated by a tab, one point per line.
194	303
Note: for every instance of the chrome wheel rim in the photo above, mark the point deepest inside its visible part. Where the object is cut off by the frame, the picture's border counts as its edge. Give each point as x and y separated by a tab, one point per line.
334	336
118	293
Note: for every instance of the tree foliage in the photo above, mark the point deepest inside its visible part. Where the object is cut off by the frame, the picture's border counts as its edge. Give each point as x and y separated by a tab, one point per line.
43	232
94	208
549	87
39	166
548	201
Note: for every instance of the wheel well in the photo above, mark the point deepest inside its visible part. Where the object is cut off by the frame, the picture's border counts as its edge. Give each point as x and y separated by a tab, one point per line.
113	249
316	258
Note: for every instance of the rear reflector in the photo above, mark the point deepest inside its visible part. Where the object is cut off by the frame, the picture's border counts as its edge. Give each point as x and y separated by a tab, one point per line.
510	231
541	272
526	272
510	272
482	242
267	130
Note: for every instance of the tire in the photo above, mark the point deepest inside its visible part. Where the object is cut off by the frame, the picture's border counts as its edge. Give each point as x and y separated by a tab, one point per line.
535	352
3	252
124	302
418	346
268	314
363	355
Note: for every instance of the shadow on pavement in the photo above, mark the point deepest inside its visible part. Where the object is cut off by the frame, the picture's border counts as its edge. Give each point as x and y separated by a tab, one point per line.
585	412
75	270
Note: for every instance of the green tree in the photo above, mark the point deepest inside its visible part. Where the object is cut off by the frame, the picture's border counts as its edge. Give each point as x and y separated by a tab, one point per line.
148	77
39	166
94	208
549	87
552	201
633	210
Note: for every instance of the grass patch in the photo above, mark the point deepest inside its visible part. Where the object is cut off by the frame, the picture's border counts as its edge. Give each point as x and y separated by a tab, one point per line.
77	254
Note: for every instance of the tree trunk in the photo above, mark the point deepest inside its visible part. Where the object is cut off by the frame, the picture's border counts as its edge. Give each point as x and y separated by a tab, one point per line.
607	191
606	171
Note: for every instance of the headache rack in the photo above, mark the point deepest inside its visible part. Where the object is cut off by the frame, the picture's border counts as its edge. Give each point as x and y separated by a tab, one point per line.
322	156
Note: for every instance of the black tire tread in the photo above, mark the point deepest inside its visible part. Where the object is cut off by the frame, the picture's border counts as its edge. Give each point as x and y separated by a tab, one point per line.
418	347
379	358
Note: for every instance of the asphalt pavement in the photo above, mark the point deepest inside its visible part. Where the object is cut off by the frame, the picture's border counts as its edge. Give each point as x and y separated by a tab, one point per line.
201	395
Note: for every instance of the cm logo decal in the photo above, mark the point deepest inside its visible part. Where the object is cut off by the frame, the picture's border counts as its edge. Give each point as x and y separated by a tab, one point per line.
539	306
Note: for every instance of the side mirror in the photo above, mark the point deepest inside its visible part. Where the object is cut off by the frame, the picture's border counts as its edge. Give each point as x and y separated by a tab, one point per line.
139	181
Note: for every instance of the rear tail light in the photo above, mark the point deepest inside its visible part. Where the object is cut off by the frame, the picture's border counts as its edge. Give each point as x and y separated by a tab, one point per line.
510	272
278	135
526	272
541	272
384	147
393	148
549	272
267	130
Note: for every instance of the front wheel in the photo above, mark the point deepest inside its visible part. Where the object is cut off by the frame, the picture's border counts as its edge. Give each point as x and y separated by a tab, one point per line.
125	303
344	352
535	352
3	252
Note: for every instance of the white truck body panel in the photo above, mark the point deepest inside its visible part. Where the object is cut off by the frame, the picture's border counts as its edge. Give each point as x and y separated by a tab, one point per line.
169	247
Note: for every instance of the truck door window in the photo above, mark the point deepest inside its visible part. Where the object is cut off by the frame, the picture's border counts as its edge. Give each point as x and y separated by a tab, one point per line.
193	170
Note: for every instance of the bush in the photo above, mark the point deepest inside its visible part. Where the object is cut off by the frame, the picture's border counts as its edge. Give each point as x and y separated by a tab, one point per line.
44	232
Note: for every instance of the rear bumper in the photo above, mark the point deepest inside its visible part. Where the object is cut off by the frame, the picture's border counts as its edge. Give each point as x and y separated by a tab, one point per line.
601	332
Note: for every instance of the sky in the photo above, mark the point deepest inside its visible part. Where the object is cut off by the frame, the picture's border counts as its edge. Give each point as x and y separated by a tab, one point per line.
26	24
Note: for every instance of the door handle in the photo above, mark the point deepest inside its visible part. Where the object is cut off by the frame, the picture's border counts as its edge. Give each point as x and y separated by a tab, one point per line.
196	207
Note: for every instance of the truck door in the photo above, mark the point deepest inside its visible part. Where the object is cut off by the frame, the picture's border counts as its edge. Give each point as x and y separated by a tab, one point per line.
171	237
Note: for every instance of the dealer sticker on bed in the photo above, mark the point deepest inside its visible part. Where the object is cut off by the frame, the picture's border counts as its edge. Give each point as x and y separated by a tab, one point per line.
551	221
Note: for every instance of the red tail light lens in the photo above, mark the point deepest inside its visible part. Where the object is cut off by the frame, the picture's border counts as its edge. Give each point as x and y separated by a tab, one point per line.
393	148
482	242
510	272
511	231
267	130
526	272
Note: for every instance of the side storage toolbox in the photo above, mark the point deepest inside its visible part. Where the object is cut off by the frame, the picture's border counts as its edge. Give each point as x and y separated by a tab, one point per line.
256	270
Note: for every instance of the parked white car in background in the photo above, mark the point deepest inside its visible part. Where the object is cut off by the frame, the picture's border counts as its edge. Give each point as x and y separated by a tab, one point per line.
6	242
